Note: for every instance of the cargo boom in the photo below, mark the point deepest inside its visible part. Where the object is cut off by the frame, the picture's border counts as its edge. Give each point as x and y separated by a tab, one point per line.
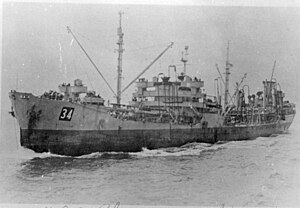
163	113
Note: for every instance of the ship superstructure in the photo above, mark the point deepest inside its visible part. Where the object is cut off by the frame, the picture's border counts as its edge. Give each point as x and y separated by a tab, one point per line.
165	111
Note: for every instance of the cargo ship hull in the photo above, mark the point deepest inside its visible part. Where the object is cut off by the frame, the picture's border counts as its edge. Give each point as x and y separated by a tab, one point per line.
163	112
74	142
50	126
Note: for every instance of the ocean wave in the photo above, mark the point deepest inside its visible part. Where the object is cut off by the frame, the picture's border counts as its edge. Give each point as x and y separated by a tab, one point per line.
105	155
185	150
190	149
26	154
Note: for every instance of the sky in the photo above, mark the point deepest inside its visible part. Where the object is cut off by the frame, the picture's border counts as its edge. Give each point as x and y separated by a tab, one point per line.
38	53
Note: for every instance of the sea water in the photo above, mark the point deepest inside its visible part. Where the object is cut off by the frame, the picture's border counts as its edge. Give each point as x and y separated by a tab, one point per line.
260	172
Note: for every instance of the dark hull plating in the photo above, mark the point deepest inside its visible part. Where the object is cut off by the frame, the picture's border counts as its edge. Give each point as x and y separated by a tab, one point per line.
75	143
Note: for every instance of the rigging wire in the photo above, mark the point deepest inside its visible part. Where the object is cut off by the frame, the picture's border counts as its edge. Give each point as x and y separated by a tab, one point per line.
81	61
134	50
156	46
83	36
81	65
75	65
169	46
69	30
91	43
90	81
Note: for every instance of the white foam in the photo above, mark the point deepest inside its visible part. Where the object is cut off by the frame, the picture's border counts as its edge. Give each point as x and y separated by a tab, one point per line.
185	150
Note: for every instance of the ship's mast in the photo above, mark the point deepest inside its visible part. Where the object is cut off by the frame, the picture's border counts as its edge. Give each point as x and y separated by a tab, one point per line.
227	73
120	53
184	59
70	31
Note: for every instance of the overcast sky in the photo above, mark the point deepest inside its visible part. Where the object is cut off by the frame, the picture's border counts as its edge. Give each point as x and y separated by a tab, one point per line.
38	54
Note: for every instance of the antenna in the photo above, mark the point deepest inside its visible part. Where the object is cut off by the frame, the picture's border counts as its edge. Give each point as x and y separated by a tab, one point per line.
273	70
120	53
184	58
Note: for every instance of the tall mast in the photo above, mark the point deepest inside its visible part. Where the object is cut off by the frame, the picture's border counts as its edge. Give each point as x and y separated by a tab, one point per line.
227	73
120	53
184	59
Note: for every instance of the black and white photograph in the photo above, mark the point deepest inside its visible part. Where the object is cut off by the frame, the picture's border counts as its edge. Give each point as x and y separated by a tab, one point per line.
150	104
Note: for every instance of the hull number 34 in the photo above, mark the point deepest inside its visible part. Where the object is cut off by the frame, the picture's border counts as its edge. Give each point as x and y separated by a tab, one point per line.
66	114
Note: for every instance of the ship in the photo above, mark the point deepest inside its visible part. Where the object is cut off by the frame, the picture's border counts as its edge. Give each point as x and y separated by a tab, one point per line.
164	112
